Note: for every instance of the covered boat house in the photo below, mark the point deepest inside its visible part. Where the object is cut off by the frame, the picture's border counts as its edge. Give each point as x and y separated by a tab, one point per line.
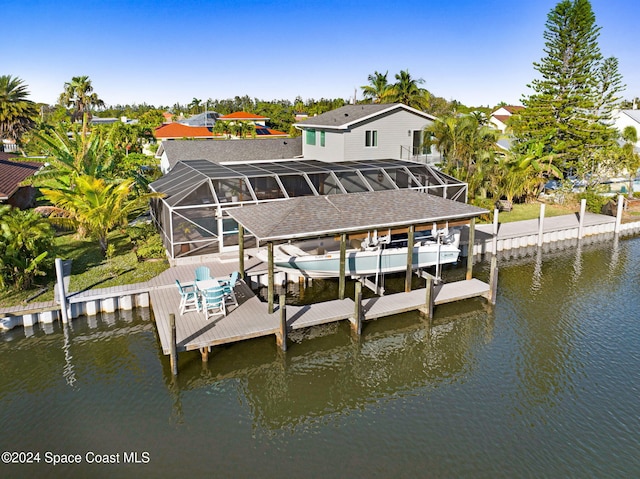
192	215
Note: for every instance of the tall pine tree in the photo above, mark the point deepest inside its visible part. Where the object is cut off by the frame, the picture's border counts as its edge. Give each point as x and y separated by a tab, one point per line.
573	99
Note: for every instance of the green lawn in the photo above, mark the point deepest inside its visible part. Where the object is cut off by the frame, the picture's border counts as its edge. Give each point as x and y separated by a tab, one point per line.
530	211
90	269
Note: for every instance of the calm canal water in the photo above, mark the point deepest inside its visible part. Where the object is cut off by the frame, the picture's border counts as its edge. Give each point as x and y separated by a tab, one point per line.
544	384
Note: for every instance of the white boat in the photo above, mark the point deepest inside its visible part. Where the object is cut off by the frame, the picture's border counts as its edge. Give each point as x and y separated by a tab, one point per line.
376	255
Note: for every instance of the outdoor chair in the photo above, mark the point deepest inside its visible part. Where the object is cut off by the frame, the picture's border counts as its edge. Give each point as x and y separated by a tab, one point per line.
189	300
202	273
213	302
228	284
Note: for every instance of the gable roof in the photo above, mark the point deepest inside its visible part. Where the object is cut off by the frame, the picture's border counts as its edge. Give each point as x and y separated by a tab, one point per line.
12	173
345	117
513	109
242	115
633	114
219	151
178	130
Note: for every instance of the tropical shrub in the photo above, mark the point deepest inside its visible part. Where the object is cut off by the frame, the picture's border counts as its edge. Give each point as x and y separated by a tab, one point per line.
26	240
595	202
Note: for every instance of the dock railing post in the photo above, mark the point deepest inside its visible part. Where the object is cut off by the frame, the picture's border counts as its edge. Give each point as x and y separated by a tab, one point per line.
541	224
356	321
619	214
281	337
173	353
583	208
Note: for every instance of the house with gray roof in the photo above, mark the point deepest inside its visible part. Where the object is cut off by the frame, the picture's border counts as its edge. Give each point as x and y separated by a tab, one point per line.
171	152
365	132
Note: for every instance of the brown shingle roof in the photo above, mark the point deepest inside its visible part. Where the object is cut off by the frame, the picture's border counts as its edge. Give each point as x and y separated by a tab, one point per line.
308	216
12	173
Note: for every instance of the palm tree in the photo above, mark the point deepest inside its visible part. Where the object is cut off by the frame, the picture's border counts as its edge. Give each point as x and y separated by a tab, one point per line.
78	94
466	146
630	159
194	106
378	90
407	91
223	128
94	206
17	113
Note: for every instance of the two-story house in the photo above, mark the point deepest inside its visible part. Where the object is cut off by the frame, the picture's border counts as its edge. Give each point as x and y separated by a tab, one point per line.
367	132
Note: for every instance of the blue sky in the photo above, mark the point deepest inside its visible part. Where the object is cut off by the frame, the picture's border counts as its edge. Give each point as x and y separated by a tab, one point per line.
163	52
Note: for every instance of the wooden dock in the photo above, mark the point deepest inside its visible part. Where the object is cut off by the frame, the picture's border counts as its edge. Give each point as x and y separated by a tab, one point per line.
250	319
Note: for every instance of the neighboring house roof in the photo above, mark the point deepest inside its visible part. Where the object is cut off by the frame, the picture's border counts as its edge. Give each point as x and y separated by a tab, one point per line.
12	173
243	115
178	130
633	114
207	118
347	116
502	118
513	109
219	151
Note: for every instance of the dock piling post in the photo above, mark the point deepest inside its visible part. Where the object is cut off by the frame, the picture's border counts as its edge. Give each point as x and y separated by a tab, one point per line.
410	240
270	277
427	308
241	251
281	337
493	280
541	224
619	214
173	353
356	321
470	248
61	292
343	257
583	208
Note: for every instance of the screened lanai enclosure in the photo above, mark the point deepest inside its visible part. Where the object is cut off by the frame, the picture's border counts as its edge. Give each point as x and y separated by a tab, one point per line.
191	216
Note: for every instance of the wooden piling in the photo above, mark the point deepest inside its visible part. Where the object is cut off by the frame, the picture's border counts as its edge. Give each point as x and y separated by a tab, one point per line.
281	336
541	225
173	353
410	240
356	321
493	280
427	309
204	352
241	251
343	258
270	286
470	248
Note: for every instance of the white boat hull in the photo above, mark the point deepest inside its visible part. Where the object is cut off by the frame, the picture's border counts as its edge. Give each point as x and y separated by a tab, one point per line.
361	262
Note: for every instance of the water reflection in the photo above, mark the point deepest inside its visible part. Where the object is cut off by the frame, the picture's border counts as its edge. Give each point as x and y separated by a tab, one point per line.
336	373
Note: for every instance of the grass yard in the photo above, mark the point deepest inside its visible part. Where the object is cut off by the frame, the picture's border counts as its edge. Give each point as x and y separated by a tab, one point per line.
90	269
531	211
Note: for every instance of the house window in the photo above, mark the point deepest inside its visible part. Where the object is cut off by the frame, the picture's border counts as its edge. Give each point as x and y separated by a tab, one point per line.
311	137
371	138
322	138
